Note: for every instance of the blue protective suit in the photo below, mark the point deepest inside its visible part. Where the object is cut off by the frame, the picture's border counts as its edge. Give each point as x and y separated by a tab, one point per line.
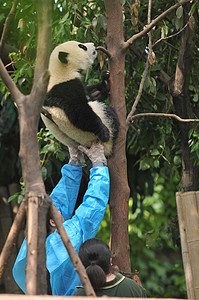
82	226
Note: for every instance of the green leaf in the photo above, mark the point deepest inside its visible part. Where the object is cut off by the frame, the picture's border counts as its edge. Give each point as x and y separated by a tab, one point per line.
61	155
179	12
177	160
13	197
144	165
44	172
20	198
155	152
194	6
195	147
195	98
156	163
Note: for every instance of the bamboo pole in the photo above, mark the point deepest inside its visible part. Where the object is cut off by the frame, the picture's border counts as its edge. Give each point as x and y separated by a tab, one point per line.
184	249
32	245
191	219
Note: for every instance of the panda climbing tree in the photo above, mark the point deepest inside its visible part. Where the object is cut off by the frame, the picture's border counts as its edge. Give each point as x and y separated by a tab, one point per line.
72	112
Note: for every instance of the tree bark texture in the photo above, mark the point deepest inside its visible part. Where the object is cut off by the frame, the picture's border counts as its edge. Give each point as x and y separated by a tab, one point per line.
119	189
179	89
7	250
7	257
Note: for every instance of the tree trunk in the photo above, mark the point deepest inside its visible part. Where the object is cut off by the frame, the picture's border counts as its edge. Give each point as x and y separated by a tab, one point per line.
119	190
179	89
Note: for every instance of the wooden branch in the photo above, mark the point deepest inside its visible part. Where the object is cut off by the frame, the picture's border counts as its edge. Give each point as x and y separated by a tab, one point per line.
39	89
130	115
137	36
12	238
149	21
105	51
162	115
32	245
168	37
44	38
72	253
15	92
144	73
7	25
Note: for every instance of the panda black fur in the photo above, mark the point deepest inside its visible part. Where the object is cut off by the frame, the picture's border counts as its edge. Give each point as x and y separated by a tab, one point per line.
70	109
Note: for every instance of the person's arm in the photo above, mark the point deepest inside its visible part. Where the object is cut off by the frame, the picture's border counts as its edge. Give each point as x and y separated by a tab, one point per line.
64	195
91	212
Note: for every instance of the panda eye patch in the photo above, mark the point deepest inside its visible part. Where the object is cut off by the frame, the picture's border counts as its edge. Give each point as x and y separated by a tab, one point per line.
83	47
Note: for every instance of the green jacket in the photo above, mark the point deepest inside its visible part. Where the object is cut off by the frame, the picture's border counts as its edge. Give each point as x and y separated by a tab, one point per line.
119	287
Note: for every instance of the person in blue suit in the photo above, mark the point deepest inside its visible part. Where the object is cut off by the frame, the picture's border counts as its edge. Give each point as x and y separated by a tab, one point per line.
80	227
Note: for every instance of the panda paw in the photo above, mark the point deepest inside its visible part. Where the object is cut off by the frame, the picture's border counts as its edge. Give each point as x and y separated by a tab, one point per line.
105	74
103	134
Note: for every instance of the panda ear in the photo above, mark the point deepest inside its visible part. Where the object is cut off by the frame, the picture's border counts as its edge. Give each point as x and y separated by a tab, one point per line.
63	57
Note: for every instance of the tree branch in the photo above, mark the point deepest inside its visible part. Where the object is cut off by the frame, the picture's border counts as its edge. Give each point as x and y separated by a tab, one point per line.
130	115
162	115
10	84
168	37
44	38
12	238
7	25
104	50
137	36
145	71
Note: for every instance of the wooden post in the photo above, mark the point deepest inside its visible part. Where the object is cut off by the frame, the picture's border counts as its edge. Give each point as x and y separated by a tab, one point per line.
184	249
32	245
187	204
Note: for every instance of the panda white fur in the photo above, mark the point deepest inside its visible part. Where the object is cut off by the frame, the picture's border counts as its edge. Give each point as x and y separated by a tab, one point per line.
69	111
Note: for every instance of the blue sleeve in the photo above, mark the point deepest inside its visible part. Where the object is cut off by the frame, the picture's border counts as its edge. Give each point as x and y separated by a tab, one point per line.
64	195
91	212
82	226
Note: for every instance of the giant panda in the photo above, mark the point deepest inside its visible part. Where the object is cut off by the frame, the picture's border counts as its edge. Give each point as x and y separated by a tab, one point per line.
72	112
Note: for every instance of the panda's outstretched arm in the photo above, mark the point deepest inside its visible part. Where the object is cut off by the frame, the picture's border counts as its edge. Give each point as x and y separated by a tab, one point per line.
99	91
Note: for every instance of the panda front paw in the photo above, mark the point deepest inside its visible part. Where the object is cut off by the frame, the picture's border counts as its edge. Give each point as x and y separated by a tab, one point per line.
105	74
103	134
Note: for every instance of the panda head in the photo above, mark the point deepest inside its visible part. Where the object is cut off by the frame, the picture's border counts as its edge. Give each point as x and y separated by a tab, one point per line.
69	60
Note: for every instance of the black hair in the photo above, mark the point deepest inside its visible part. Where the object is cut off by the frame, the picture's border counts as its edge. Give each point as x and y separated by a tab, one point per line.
95	256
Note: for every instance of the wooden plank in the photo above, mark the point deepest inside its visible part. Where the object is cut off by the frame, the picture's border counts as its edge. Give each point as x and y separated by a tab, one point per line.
191	218
47	297
184	248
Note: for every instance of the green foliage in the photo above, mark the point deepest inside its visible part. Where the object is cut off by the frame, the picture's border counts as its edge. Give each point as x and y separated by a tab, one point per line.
194	145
